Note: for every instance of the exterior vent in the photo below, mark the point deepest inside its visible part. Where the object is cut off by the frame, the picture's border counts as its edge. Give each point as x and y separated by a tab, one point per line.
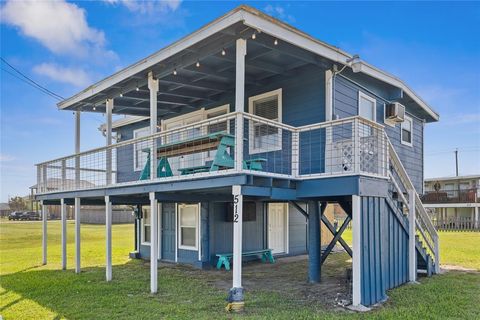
395	112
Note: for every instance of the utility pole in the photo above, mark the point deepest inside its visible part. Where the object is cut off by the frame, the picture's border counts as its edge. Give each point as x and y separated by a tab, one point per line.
456	162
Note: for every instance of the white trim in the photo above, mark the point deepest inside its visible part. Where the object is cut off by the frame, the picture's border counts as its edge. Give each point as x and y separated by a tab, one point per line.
176	233
142	226
199	239
197	228
160	232
412	255
259	21
278	93
410	144
108	238
153	243
361	94
135	164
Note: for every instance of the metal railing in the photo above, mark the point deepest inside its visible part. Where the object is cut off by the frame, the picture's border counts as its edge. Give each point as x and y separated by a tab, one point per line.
208	148
451	196
402	185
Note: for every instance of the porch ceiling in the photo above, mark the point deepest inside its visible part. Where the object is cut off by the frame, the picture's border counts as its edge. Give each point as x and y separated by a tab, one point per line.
193	86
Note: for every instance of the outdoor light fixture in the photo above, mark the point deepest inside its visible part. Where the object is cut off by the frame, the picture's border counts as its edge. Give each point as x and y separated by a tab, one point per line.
355	63
275	42
94	108
198	64
223	52
121	95
174	72
137	89
254	36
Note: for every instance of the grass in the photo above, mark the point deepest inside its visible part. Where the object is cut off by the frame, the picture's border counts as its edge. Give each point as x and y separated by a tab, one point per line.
31	291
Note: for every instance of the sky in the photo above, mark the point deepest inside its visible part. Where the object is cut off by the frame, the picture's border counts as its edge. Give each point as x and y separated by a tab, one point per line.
66	46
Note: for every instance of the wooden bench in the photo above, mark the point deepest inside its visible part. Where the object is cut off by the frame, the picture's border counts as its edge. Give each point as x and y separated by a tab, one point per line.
224	258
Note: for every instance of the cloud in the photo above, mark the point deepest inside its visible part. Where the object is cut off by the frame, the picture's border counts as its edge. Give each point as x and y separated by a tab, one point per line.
148	6
6	157
59	26
279	12
75	76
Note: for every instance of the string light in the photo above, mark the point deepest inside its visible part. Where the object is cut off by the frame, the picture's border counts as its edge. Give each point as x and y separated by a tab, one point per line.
137	89
198	64
174	72
121	95
223	52
94	108
275	42
254	36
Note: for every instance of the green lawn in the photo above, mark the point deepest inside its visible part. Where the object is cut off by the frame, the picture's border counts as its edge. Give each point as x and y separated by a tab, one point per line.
31	291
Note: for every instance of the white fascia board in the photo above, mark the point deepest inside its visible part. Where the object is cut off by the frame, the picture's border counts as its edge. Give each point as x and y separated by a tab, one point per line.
300	39
221	23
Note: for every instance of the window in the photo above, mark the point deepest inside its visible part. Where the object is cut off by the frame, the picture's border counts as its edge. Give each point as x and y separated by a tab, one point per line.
407	129
188	226
367	107
263	137
146	224
450	189
140	157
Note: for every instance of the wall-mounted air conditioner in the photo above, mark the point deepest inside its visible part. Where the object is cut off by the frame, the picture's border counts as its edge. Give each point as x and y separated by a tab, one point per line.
395	112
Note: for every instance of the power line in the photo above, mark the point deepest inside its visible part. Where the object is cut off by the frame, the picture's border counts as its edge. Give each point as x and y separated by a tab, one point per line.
29	81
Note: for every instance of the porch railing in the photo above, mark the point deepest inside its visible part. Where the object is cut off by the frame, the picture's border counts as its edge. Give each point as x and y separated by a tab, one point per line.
451	196
206	148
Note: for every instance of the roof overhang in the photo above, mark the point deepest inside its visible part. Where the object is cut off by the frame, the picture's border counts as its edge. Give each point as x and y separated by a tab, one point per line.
258	21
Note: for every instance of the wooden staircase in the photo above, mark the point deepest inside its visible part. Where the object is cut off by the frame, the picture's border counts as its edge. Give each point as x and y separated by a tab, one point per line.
406	203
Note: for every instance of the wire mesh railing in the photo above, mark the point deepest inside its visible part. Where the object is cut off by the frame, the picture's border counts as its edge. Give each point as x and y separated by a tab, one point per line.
206	148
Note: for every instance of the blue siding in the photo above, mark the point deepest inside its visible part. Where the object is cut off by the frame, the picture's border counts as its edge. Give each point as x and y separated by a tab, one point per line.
384	250
297	227
346	105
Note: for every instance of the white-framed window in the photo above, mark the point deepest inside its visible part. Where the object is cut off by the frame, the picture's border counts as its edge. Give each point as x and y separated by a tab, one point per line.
146	218
188	226
263	137
450	189
407	131
140	157
367	108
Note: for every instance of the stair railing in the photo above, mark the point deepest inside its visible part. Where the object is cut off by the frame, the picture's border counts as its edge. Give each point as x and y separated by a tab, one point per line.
424	227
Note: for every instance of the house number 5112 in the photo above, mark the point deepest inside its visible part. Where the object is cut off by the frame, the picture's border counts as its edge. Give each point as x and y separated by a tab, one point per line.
235	208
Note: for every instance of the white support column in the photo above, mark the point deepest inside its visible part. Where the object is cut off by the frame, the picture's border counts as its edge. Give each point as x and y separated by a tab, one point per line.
357	258
108	237
412	254
77	148
241	51
328	95
109	110
236	292
153	87
153	243
77	235
477	217
44	233
63	214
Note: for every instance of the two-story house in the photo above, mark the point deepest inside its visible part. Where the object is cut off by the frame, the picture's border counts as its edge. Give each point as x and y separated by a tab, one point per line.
238	136
455	201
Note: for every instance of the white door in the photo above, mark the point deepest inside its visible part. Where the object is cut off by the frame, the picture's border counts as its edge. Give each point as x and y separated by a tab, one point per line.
277	217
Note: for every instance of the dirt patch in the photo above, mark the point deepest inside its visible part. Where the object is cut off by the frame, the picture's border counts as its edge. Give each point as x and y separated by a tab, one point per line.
446	268
289	277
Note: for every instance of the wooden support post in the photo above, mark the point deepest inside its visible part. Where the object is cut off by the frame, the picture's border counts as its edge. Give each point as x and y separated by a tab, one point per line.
108	135
235	297
241	51
63	214
412	254
153	87
108	237
44	233
153	243
357	253
314	242
77	235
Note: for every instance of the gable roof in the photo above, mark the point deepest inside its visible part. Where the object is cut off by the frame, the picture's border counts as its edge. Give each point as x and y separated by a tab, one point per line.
259	21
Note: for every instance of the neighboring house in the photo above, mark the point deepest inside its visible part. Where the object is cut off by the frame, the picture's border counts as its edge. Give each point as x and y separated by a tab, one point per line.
455	201
255	127
4	209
